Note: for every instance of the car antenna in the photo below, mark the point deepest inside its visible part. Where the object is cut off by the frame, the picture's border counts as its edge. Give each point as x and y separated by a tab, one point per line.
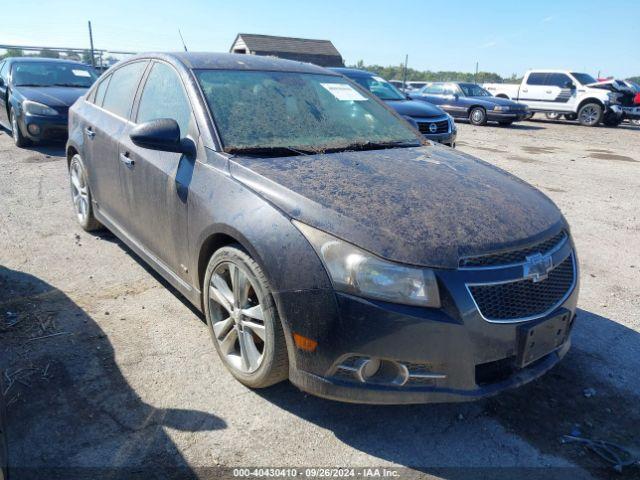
183	44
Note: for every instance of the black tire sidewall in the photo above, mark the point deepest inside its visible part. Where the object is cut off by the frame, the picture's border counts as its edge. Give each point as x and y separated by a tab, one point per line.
265	375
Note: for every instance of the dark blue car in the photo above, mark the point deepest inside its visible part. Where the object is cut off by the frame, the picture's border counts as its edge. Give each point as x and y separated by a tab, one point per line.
35	96
433	122
471	102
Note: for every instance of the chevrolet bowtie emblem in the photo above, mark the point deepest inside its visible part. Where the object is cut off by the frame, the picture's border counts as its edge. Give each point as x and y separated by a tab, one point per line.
537	267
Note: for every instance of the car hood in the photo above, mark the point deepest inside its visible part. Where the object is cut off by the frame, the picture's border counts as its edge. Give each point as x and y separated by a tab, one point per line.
414	108
496	101
52	96
423	206
612	85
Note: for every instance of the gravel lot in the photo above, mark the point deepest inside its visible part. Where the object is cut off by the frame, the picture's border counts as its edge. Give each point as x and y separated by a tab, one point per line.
126	374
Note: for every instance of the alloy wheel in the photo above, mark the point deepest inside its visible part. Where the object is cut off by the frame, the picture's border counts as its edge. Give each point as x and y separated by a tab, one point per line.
79	192
237	317
589	115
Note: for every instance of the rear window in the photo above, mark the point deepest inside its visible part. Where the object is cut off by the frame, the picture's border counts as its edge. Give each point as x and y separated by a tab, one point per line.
122	89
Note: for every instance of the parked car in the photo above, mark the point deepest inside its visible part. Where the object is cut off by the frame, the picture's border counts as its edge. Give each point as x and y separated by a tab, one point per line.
433	122
634	117
471	102
324	239
36	93
575	95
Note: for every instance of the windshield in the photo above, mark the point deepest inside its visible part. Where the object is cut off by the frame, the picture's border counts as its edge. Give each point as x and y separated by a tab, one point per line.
297	111
583	78
473	90
50	74
380	88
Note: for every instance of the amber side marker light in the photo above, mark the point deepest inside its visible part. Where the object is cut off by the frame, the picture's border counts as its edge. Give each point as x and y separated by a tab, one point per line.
304	343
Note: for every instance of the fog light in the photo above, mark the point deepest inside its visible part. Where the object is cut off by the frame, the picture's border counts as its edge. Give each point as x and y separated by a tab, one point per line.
382	372
34	129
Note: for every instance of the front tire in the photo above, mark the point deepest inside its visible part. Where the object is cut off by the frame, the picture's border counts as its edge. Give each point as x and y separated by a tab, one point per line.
18	138
478	116
243	319
81	195
612	120
590	114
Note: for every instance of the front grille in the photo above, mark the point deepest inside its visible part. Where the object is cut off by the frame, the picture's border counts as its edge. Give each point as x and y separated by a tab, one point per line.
525	298
513	256
441	127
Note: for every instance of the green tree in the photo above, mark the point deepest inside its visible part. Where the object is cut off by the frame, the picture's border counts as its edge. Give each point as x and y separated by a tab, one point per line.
12	52
46	53
634	79
396	73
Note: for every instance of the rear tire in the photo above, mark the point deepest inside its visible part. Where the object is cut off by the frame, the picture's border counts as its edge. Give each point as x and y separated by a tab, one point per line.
18	138
478	116
553	115
243	319
81	195
590	114
570	116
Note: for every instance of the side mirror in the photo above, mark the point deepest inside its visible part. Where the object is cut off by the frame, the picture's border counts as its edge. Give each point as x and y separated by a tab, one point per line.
162	134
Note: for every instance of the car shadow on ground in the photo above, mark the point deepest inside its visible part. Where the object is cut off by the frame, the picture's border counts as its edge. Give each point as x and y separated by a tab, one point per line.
514	126
450	440
573	123
71	413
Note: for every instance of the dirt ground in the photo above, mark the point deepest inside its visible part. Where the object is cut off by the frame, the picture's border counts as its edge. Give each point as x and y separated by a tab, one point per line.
104	366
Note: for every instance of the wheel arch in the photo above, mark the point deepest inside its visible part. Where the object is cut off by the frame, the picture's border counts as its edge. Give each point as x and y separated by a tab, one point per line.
590	100
503	95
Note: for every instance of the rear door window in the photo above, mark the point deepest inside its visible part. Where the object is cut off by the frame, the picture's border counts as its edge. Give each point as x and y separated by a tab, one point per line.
538	78
164	97
557	80
433	90
122	89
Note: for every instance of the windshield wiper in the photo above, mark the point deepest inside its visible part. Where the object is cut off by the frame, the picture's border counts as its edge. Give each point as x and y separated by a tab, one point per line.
31	85
375	146
269	151
79	85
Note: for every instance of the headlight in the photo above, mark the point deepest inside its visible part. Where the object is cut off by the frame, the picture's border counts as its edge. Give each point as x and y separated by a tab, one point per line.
35	108
501	108
357	272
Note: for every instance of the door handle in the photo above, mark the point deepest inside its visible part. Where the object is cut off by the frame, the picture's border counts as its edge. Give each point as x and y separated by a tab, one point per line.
525	90
124	158
90	133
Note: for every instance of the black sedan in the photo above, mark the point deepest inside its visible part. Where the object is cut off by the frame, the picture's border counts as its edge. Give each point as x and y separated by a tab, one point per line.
35	96
325	240
431	121
471	102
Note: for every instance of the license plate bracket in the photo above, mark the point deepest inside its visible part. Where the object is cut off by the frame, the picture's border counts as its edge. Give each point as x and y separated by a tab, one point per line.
535	340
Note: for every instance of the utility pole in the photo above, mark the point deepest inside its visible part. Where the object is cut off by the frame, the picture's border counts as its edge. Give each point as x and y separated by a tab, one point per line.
404	72
475	76
93	58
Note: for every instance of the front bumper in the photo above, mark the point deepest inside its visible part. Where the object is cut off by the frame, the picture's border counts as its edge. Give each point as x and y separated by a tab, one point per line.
632	113
40	128
444	138
451	354
506	116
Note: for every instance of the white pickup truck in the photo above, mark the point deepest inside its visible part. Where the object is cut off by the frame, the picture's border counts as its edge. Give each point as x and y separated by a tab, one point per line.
574	95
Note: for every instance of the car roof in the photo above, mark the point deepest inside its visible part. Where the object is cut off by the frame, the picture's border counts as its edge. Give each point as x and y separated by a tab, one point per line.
44	60
352	72
233	61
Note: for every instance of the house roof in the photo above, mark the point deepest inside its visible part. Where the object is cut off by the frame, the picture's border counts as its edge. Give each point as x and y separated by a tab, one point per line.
269	43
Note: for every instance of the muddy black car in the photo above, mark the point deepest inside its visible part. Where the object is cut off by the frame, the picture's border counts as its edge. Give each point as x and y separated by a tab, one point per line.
325	240
35	96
